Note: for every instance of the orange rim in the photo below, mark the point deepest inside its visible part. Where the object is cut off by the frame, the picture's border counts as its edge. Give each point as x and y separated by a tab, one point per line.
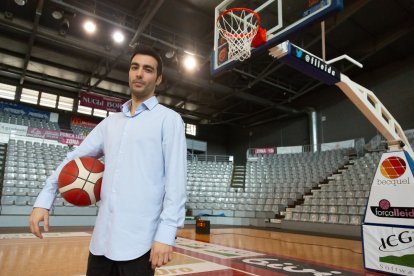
238	36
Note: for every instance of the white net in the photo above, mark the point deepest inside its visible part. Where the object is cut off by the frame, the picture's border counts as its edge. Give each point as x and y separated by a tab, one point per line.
238	26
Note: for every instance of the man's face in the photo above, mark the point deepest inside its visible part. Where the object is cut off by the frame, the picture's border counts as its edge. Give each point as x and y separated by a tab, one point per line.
143	77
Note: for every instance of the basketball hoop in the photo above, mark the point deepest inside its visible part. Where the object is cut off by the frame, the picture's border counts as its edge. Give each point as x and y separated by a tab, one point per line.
239	26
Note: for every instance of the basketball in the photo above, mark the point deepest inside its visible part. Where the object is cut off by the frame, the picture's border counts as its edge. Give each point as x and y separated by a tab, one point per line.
80	181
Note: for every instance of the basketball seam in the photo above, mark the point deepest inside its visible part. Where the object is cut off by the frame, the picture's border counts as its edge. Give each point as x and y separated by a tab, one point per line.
85	180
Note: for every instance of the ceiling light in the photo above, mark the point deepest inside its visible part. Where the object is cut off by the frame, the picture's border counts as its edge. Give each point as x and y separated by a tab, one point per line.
170	54
20	2
190	63
57	15
118	37
89	26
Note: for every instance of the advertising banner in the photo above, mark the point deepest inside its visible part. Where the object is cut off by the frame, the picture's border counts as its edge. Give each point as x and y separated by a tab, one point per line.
338	145
18	109
389	249
13	129
100	102
82	122
70	138
287	150
36	132
391	197
52	134
264	151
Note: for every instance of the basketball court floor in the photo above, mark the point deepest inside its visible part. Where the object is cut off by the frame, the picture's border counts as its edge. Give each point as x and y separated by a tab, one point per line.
225	251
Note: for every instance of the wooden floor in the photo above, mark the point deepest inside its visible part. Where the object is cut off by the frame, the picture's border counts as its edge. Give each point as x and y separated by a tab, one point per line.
22	255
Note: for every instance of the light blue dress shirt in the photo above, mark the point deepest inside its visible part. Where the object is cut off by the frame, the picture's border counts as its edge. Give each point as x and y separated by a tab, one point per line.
143	190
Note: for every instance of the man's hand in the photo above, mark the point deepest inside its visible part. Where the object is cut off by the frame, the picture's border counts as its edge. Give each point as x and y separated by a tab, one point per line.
38	215
161	254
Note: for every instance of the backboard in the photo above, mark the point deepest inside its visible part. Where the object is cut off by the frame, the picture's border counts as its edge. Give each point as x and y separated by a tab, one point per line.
280	18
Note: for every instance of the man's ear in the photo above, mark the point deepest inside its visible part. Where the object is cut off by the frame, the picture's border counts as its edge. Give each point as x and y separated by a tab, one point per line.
159	80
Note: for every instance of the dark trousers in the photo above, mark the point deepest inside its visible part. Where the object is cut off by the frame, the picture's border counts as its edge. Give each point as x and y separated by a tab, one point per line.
102	266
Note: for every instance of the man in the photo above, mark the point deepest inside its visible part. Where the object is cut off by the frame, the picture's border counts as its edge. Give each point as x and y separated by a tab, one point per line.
143	190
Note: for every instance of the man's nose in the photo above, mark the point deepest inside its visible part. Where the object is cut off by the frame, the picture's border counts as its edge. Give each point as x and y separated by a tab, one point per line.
138	73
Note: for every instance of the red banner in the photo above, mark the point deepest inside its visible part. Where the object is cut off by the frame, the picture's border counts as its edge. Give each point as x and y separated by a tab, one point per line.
36	132
70	141
82	122
70	138
100	102
264	151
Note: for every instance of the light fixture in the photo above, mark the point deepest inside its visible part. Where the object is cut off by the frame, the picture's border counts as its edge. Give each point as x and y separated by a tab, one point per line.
190	63
20	2
170	54
89	26
64	27
118	37
57	15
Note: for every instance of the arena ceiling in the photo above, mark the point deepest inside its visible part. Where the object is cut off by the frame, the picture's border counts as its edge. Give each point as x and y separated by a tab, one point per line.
36	52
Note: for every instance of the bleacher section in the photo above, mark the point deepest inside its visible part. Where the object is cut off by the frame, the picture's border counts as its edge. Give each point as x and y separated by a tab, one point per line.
17	119
342	201
27	166
208	187
314	188
83	130
285	178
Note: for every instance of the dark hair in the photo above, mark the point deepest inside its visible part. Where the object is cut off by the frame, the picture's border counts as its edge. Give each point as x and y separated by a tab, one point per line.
149	51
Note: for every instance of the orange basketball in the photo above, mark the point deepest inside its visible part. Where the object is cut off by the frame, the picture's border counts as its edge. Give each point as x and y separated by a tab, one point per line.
80	181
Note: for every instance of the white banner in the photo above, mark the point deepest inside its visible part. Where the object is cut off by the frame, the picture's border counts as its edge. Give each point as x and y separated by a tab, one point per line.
391	197
293	149
389	249
338	145
13	129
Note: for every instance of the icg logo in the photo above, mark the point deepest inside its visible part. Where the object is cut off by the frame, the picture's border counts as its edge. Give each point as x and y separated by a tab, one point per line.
393	167
395	242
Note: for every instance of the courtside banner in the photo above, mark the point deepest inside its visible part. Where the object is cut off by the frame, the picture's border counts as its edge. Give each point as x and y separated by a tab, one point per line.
389	249
391	200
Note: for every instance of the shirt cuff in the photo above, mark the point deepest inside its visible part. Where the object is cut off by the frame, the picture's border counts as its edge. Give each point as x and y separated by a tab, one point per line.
166	234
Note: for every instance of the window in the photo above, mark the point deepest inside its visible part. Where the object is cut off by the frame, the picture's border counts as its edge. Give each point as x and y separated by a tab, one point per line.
99	113
110	113
47	99
7	91
65	103
29	96
84	109
190	129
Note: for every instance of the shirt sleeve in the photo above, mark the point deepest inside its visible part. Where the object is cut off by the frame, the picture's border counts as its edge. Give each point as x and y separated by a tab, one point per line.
175	168
91	146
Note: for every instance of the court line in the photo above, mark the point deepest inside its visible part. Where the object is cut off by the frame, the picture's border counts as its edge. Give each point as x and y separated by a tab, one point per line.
229	267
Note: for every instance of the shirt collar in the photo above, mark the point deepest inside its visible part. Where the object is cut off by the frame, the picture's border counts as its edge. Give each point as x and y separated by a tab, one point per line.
148	104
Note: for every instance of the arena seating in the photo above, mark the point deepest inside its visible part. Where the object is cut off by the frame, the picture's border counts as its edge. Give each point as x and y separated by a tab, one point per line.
285	178
17	119
208	185
27	166
274	183
81	129
343	199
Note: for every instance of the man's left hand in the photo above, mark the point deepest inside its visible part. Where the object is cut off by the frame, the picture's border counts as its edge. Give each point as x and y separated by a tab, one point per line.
161	254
